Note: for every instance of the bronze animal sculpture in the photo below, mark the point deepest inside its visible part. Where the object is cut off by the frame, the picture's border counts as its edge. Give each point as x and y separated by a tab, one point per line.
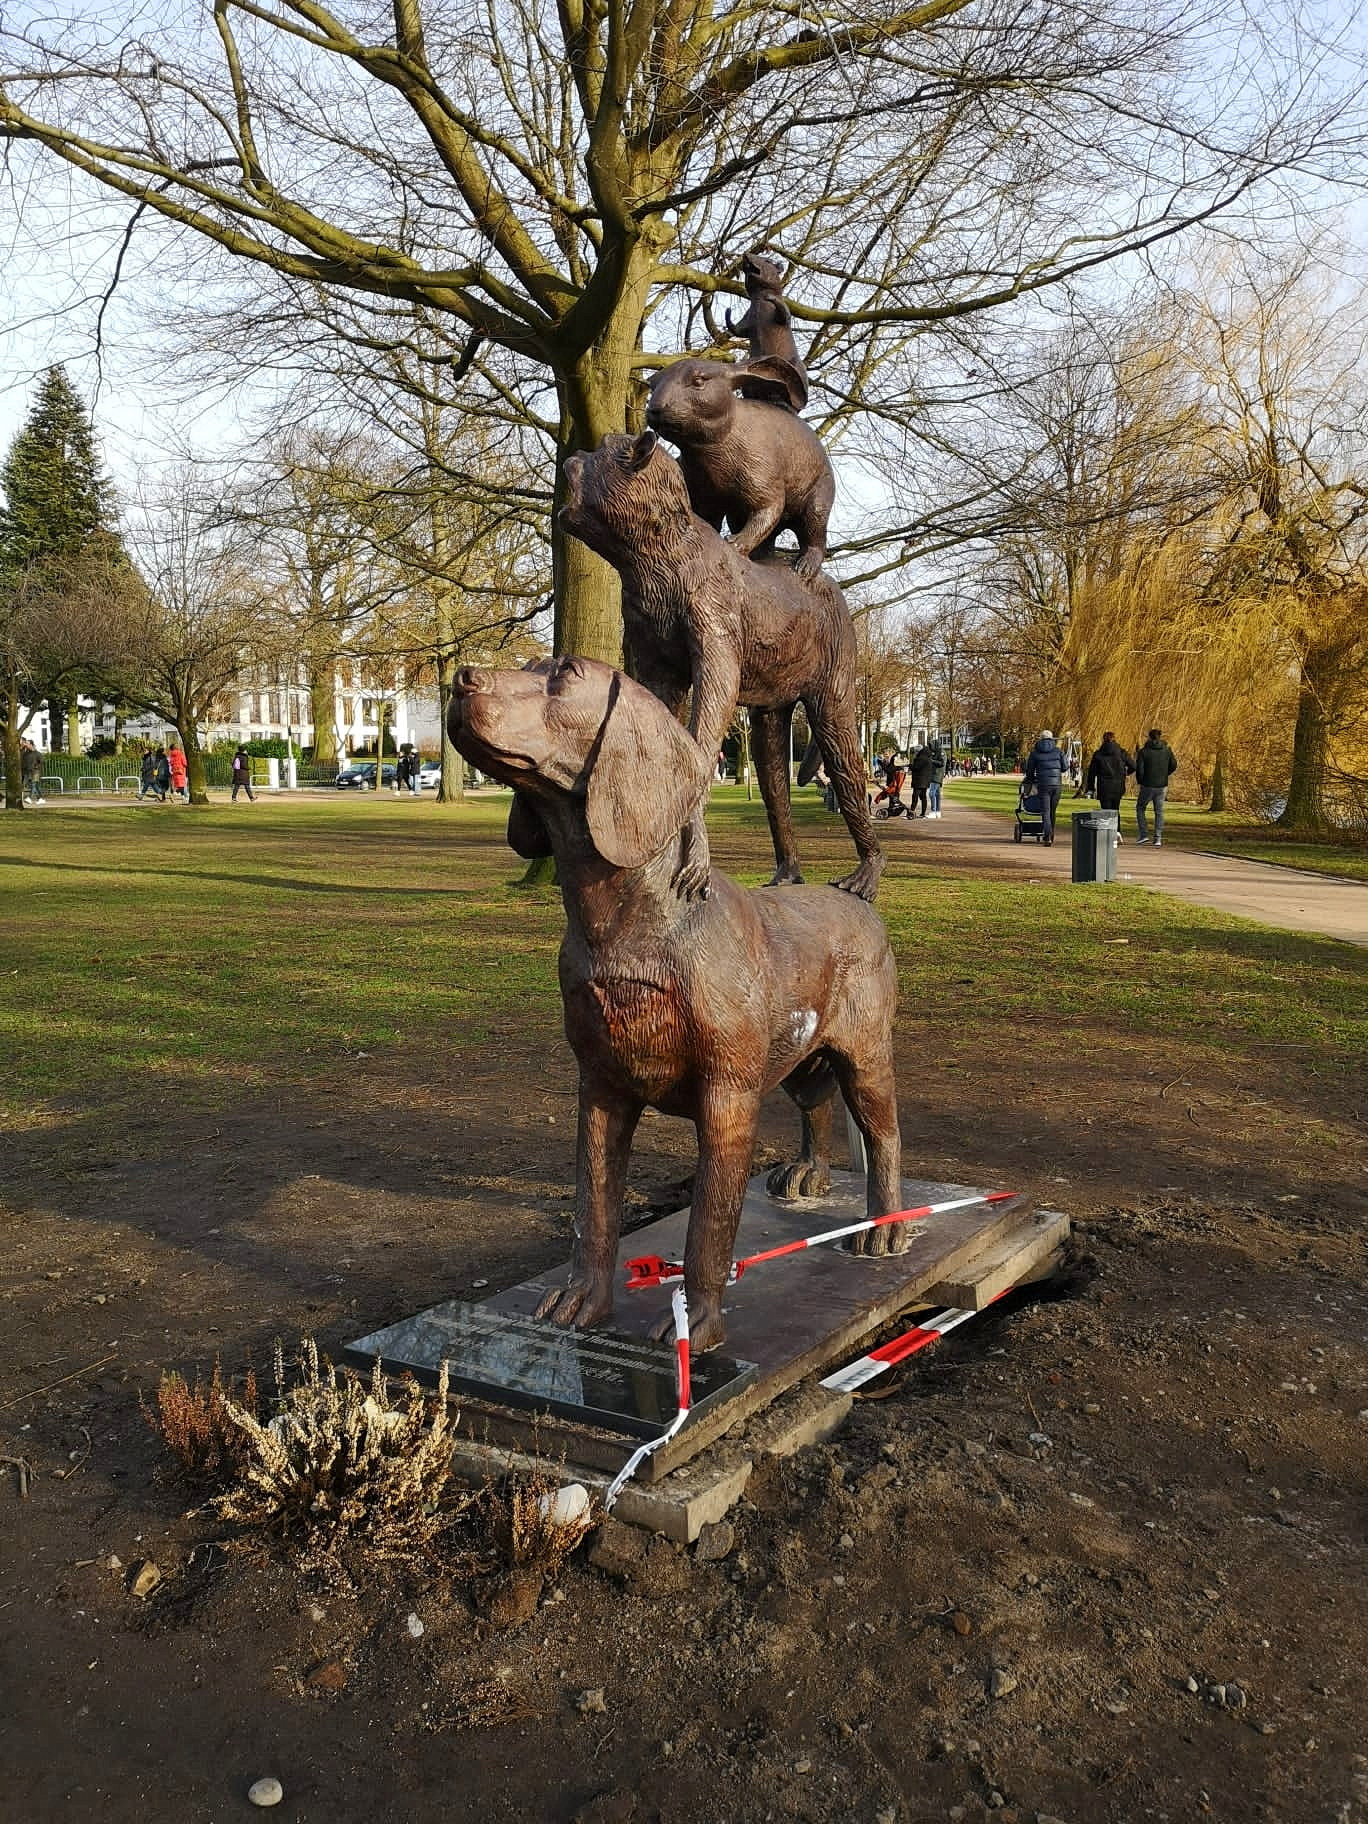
698	616
768	322
696	1009
750	462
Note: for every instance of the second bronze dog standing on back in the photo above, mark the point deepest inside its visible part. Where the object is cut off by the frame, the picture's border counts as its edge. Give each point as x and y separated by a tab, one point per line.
697	615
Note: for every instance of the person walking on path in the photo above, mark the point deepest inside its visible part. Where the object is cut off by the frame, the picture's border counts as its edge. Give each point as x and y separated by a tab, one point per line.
147	774
933	791
180	772
1108	771
1154	767
242	775
919	774
1045	776
30	773
161	777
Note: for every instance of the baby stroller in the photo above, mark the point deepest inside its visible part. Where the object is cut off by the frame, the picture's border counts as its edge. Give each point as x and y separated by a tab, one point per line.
1030	820
888	802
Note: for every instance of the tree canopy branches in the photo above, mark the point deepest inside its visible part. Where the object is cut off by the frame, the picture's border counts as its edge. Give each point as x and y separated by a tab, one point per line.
540	176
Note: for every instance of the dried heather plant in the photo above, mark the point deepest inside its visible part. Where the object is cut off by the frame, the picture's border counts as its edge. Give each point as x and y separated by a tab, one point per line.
341	1463
532	1536
197	1427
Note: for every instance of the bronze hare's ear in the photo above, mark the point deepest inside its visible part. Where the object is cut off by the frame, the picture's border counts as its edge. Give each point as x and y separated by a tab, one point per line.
642	450
526	831
772	379
648	775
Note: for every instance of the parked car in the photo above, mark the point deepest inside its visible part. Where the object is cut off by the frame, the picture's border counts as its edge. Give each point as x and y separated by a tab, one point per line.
429	775
362	778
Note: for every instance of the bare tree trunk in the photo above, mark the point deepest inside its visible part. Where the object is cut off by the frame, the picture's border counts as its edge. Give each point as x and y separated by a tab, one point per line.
73	723
1305	807
1218	777
451	786
14	785
381	706
195	781
596	397
322	708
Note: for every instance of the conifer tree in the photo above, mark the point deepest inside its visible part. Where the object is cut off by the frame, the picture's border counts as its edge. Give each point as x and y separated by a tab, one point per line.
61	561
55	494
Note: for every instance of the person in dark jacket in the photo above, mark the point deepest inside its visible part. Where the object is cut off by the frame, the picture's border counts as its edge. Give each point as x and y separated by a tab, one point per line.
30	773
147	774
919	773
1044	775
937	780
1108	771
161	778
1154	767
242	775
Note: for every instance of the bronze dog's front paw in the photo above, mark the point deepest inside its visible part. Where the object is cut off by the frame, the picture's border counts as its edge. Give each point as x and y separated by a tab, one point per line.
864	882
706	1327
788	874
803	1178
892	1238
810	563
580	1303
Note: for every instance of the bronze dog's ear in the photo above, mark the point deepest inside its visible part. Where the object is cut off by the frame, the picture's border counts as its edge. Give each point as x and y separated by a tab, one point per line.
526	831
647	778
772	379
642	450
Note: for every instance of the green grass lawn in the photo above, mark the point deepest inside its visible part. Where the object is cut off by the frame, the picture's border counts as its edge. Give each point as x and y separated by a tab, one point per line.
1188	826
151	952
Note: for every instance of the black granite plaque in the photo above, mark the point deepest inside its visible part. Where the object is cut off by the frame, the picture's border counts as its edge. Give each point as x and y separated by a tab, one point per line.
600	1377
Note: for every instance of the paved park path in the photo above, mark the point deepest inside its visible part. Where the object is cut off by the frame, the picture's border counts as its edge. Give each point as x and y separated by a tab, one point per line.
1290	898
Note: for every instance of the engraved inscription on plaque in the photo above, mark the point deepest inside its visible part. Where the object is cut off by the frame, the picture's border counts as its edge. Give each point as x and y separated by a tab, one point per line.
617	1382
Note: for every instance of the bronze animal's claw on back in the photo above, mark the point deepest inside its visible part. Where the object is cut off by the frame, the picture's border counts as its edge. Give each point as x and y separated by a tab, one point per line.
863	881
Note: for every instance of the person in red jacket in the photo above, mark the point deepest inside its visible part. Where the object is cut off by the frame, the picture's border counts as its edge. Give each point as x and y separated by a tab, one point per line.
180	772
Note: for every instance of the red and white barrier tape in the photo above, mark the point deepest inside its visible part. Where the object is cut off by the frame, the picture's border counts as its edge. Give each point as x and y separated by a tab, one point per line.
680	1308
653	1270
897	1349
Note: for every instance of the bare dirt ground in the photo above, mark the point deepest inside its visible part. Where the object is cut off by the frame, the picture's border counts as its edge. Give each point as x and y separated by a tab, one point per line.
1099	1557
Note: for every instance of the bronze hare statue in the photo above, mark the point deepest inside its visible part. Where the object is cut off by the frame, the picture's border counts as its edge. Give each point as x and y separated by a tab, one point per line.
748	458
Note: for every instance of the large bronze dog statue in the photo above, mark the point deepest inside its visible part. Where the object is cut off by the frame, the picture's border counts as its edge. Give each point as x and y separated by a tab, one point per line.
696	1008
698	615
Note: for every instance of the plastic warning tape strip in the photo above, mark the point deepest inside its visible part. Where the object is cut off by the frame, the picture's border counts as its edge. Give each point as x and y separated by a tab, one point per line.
897	1349
653	1270
683	1393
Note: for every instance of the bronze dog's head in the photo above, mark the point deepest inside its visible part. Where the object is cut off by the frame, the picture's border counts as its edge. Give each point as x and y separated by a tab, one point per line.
586	750
627	491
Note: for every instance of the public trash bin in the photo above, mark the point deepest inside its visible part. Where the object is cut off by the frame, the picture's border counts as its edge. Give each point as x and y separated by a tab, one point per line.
1094	845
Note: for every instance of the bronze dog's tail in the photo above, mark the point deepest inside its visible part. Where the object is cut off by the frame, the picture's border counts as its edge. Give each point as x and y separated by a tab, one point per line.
812	759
